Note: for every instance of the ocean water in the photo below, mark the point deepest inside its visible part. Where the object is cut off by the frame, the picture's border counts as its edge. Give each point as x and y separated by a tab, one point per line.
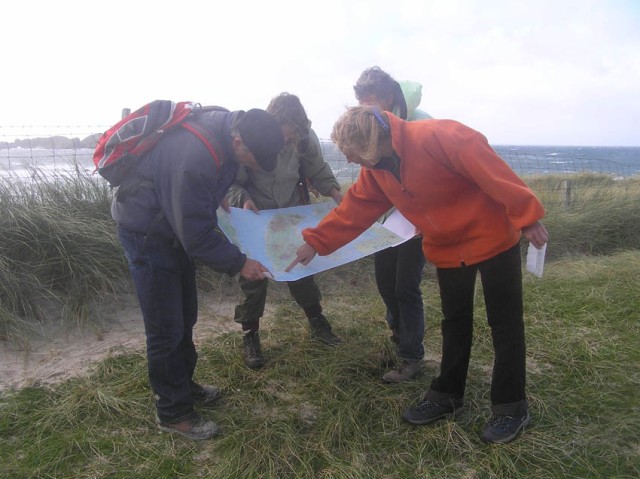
27	163
619	162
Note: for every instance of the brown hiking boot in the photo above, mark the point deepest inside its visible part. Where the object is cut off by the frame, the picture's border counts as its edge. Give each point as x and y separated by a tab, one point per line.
406	372
321	331
253	357
192	427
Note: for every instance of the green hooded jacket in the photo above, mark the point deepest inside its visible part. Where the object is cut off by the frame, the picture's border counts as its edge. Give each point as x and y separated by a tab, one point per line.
412	92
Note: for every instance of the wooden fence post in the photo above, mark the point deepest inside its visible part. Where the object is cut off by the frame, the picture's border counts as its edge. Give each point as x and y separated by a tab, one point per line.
565	186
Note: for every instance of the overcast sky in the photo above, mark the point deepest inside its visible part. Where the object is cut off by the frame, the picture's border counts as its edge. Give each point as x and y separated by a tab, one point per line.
537	72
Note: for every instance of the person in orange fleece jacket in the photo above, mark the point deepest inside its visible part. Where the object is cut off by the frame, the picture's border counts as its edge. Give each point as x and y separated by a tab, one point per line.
472	210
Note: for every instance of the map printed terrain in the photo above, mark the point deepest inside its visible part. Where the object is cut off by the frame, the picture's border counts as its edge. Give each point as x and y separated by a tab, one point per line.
273	237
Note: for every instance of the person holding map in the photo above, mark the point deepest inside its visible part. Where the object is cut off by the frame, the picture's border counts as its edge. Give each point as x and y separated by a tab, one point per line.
472	210
299	161
398	270
165	211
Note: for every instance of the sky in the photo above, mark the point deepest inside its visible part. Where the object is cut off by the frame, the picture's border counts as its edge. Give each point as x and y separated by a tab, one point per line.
522	72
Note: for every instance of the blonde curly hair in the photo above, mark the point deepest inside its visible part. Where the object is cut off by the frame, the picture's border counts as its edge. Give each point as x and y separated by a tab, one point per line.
360	130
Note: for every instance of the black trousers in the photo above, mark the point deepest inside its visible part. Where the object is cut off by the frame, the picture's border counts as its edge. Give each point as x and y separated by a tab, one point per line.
501	278
398	276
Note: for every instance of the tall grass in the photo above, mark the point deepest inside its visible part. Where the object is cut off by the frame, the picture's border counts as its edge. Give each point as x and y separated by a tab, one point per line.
58	250
589	213
59	254
316	412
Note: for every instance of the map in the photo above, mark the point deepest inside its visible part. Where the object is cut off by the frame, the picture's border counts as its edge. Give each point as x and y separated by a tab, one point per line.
273	237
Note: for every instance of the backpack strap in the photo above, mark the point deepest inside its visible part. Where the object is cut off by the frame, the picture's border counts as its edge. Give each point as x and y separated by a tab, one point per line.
207	139
203	135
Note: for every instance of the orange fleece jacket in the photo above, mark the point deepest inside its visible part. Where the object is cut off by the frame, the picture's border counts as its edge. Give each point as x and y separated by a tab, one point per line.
467	202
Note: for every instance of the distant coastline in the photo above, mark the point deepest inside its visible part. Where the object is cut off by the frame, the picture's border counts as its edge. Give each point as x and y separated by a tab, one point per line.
53	142
54	152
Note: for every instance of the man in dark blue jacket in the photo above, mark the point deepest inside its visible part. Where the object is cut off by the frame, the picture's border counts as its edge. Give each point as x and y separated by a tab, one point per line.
166	217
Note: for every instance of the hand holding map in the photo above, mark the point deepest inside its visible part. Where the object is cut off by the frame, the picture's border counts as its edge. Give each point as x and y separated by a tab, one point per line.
273	236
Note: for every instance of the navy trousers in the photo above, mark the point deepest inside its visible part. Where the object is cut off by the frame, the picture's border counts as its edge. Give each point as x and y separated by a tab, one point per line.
165	281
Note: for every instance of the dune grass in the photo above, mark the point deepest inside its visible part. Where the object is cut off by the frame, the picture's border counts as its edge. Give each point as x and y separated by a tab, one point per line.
318	412
58	252
597	215
321	412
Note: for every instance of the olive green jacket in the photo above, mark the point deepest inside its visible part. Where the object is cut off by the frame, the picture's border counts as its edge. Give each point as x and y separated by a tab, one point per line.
279	188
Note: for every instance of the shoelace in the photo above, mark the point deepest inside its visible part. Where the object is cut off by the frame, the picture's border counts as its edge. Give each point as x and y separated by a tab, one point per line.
501	422
425	406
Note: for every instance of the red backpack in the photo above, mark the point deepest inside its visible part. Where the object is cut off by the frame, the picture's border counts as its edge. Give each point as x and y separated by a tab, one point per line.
137	133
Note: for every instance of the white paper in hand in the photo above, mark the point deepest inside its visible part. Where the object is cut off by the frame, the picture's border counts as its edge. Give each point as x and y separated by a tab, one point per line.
535	259
400	225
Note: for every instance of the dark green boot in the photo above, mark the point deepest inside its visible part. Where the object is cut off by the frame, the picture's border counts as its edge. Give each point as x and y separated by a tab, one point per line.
321	331
253	357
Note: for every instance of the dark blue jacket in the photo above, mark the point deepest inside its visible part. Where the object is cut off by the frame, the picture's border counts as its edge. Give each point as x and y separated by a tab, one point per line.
176	189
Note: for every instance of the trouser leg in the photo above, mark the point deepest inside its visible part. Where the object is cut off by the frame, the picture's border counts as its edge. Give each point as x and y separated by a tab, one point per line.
164	278
385	265
456	293
307	295
410	263
248	313
502	285
190	315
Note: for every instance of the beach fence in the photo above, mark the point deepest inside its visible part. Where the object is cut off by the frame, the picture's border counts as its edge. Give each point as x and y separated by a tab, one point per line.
50	152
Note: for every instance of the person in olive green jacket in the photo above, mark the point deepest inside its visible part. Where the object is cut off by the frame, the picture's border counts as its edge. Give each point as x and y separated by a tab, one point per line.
299	161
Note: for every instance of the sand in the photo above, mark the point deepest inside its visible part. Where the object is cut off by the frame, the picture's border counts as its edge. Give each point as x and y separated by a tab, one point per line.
57	354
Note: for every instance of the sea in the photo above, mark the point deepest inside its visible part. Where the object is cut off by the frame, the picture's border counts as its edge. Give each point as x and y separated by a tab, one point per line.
619	162
527	160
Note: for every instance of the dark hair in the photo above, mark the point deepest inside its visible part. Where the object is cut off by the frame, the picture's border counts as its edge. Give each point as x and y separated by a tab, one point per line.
287	108
377	82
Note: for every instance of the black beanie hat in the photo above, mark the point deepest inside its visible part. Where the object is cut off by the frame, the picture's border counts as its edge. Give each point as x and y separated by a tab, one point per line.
262	135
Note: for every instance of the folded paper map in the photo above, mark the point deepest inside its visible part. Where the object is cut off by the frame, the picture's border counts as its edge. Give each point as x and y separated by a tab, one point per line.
273	236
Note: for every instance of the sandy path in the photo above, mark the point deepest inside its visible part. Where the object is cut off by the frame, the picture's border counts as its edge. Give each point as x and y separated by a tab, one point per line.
56	355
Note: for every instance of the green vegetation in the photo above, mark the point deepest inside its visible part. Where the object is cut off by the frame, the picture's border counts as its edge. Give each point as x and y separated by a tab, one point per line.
315	412
58	251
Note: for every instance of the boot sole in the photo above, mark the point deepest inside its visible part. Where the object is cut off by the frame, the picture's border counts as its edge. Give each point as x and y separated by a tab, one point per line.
431	420
258	365
333	344
188	435
400	378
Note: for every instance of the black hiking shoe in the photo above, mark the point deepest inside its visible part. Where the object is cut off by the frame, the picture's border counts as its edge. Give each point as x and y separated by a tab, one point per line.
427	412
321	331
204	395
502	428
191	426
253	357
